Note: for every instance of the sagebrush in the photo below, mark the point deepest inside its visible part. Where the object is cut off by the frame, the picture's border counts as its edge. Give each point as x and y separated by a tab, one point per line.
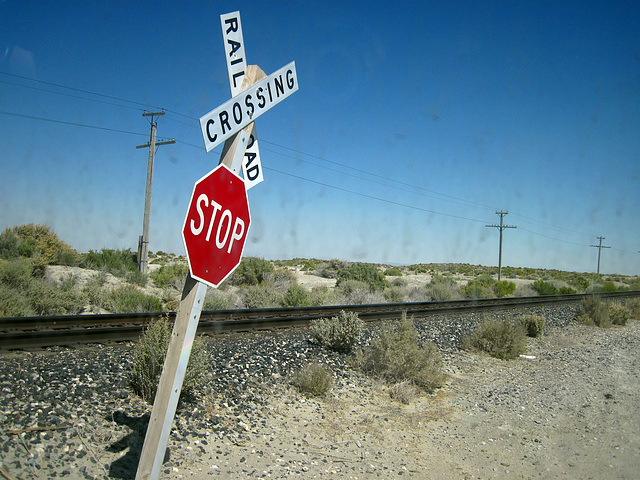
397	356
337	333
501	338
148	359
313	379
533	324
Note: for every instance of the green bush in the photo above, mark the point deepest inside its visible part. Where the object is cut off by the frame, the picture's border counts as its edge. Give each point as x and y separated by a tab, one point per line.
396	356
545	288
128	299
313	379
251	271
261	296
27	292
337	333
606	287
115	261
394	294
441	289
579	282
169	274
593	311
618	313
393	272
504	339
567	291
480	287
13	303
504	288
148	359
330	269
363	272
633	304
36	241
295	296
533	324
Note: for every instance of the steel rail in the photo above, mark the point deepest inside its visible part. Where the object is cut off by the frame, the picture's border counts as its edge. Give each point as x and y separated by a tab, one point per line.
39	332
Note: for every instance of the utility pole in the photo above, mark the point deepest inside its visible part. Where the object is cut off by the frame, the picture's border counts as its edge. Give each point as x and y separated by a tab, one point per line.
599	247
143	240
502	226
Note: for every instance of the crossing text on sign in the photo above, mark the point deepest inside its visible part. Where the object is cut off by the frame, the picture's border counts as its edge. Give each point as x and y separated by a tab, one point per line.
233	115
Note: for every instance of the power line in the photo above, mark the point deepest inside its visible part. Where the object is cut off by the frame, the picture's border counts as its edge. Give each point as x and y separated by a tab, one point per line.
599	247
74	124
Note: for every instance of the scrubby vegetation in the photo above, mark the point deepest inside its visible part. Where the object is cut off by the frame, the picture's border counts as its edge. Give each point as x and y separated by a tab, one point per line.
533	324
148	359
504	339
337	333
397	356
313	379
363	272
593	311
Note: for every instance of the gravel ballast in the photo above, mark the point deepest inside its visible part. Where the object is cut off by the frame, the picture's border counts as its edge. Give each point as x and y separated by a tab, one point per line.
569	410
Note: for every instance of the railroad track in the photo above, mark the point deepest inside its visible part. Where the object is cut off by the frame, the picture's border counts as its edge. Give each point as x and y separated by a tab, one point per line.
18	333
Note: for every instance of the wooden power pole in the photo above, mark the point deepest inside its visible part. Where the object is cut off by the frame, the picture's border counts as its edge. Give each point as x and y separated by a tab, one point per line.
599	247
501	227
143	240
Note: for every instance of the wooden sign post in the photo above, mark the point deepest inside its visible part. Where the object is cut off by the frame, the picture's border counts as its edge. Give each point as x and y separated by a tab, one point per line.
231	122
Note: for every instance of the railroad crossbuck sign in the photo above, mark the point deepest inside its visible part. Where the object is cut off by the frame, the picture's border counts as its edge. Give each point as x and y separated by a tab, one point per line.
233	41
216	225
217	222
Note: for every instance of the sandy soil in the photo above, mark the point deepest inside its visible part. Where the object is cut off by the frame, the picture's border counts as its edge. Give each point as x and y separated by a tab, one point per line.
571	412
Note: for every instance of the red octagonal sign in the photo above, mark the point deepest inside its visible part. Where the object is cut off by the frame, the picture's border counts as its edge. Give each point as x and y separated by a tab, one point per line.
216	226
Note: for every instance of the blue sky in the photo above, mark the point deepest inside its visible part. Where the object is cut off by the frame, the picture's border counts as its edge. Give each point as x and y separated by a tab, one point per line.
413	124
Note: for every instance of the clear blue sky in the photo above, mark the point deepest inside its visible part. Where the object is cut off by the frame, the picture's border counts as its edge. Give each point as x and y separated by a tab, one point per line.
413	124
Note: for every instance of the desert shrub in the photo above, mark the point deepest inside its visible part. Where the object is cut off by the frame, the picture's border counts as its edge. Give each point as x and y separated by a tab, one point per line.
330	269
36	241
313	379
394	294
49	299
337	333
27	292
545	288
393	272
356	292
13	303
216	300
251	271
397	356
281	278
148	359
606	287
169	274
567	291
593	311
261	296
115	261
480	287
441	289
524	291
363	272
579	282
533	324
403	392
128	299
321	295
504	339
618	313
504	288
633	304
295	296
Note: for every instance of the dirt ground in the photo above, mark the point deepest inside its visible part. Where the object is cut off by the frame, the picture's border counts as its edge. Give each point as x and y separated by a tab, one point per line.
571	412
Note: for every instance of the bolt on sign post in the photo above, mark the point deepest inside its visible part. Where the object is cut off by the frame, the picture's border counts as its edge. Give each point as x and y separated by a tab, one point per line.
217	221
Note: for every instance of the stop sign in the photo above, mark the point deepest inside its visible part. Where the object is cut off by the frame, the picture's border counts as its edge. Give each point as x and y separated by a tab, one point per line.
216	226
